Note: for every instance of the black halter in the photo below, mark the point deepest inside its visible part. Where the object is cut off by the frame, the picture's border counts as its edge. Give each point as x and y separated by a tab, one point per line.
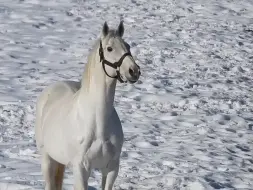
115	65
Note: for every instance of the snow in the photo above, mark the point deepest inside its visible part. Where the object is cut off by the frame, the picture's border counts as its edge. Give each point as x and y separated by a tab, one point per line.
187	122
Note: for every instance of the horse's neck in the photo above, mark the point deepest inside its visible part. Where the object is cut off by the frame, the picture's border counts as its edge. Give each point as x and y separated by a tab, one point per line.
98	92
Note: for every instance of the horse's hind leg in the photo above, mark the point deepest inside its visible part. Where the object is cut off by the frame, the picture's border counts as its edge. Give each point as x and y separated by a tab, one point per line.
109	175
59	175
48	167
53	172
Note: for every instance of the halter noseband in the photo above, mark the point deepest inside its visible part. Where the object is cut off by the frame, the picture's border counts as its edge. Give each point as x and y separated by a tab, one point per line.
115	65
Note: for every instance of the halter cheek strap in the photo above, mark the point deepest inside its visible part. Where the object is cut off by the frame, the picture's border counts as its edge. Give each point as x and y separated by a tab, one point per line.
115	65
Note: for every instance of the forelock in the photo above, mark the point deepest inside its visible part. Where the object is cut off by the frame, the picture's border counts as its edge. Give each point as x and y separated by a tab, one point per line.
112	34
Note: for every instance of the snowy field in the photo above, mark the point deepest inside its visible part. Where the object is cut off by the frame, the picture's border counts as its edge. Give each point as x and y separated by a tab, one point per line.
188	122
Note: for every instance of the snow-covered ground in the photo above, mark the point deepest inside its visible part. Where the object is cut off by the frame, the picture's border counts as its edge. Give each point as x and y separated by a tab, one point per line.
188	122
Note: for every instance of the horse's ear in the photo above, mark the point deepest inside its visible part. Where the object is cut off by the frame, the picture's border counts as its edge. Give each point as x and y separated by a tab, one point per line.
121	29
105	29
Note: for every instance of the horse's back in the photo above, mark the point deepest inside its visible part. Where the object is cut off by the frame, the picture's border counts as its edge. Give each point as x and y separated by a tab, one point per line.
49	97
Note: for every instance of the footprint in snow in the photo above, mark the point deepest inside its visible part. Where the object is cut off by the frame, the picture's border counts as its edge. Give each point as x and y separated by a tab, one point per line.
146	144
243	148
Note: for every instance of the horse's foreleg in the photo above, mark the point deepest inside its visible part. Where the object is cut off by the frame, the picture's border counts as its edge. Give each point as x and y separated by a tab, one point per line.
81	175
103	181
111	174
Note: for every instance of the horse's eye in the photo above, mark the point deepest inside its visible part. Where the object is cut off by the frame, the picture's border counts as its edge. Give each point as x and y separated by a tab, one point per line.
109	49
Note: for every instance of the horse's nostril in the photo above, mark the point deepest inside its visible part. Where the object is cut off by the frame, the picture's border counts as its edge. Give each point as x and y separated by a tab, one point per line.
131	72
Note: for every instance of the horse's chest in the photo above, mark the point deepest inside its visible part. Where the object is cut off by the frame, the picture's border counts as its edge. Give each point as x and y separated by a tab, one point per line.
101	153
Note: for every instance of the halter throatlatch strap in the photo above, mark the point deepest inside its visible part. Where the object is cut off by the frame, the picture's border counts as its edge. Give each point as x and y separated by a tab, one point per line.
115	65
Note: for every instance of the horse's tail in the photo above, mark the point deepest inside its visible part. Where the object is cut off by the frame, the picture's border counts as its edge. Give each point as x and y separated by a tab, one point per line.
59	175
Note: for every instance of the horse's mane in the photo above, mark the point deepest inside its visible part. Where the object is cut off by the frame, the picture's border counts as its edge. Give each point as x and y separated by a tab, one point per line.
87	70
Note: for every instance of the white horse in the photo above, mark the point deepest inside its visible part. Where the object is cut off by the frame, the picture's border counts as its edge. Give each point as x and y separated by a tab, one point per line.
76	122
